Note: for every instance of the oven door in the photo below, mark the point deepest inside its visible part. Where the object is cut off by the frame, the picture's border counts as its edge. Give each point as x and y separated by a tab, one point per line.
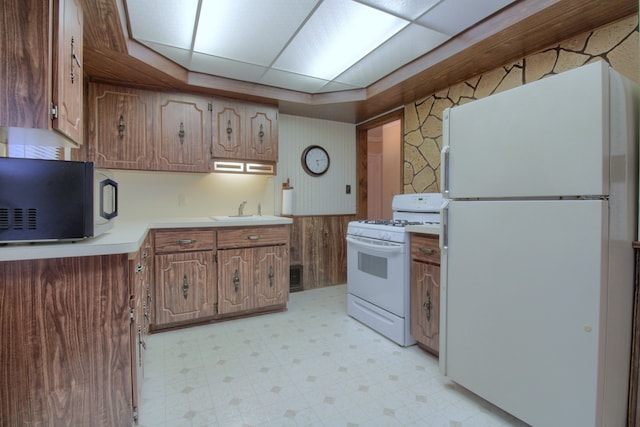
377	272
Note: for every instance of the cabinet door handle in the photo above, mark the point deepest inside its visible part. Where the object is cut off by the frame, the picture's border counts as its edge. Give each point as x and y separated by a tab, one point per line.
261	134
236	280
181	133
185	241
253	237
74	58
428	251
271	275
185	287
426	306
121	127
229	130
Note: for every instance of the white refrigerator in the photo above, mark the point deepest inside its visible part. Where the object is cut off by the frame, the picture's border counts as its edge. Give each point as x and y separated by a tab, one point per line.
537	269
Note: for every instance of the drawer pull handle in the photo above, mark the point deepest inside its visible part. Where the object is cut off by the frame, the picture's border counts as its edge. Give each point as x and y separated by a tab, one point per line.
428	251
253	237
186	241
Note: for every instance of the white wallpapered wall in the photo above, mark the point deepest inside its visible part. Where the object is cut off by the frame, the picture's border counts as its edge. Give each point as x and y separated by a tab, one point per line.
325	194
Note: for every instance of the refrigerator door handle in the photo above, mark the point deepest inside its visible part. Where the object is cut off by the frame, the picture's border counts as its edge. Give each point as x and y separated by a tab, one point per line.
444	161
444	226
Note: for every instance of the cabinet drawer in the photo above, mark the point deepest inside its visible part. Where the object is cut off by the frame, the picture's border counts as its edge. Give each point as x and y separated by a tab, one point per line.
254	236
184	240
425	248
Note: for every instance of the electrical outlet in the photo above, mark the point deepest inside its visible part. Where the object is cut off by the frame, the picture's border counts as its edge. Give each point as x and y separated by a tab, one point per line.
348	189
182	200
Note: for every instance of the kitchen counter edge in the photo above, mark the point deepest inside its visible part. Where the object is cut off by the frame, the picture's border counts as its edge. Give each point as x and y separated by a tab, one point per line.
124	238
423	229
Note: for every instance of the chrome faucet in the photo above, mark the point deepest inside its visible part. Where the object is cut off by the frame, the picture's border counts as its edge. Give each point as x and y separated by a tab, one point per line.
241	208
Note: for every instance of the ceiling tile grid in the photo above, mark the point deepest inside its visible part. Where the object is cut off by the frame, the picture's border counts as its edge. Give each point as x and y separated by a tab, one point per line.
312	46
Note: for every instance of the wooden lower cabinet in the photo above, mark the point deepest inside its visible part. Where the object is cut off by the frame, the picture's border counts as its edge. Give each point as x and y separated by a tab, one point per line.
65	350
185	278
253	269
425	291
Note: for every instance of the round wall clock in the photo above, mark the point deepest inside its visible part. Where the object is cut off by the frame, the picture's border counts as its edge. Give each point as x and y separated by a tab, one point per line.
315	160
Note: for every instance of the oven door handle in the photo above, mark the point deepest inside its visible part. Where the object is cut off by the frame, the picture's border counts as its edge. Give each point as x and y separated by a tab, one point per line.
381	248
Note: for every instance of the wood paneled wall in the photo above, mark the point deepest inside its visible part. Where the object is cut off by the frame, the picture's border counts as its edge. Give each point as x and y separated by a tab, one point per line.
318	244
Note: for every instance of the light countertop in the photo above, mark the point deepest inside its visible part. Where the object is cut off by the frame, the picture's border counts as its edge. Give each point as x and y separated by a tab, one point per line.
125	237
424	229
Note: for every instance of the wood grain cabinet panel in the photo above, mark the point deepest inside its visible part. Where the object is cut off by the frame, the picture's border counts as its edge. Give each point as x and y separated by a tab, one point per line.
65	352
39	91
229	131
185	276
120	132
184	143
425	291
253	268
244	131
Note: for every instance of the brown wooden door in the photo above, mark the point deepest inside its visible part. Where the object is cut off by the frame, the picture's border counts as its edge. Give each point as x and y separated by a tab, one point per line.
235	280
228	140
185	142
263	134
272	275
67	70
120	128
185	287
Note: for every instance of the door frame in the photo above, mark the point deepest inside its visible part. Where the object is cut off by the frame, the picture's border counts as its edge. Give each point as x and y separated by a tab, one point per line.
361	156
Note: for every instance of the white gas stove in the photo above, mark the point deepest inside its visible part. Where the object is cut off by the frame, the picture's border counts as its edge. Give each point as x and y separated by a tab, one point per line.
378	265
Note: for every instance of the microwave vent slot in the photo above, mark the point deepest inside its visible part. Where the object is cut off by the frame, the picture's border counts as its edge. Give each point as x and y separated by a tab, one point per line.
18	219
4	219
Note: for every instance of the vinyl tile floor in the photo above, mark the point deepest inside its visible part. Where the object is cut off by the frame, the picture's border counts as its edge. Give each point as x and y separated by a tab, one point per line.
311	365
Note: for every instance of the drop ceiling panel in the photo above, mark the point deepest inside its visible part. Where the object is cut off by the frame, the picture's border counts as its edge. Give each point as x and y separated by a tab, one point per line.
223	67
407	9
163	21
454	16
248	30
337	35
411	43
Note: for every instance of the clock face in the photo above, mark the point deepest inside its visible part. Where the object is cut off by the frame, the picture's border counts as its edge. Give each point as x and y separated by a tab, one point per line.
315	160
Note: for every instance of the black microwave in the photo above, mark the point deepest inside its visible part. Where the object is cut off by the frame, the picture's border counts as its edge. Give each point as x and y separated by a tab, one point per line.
50	200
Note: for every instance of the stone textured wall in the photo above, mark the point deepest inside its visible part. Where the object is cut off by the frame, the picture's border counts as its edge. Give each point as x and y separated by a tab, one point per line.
616	43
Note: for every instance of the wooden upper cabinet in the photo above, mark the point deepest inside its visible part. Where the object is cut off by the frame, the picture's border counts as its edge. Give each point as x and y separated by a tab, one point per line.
120	132
184	143
229	127
263	133
67	70
39	90
244	131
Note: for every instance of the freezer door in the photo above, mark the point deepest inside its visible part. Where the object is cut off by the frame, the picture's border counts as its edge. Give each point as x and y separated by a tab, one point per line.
546	138
524	294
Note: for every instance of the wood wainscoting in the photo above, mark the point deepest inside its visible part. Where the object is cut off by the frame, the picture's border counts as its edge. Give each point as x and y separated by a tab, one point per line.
318	244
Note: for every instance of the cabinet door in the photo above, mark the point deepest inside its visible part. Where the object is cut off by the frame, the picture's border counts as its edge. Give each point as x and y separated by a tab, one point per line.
235	280
184	143
263	134
119	128
272	275
67	71
228	136
425	305
185	287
